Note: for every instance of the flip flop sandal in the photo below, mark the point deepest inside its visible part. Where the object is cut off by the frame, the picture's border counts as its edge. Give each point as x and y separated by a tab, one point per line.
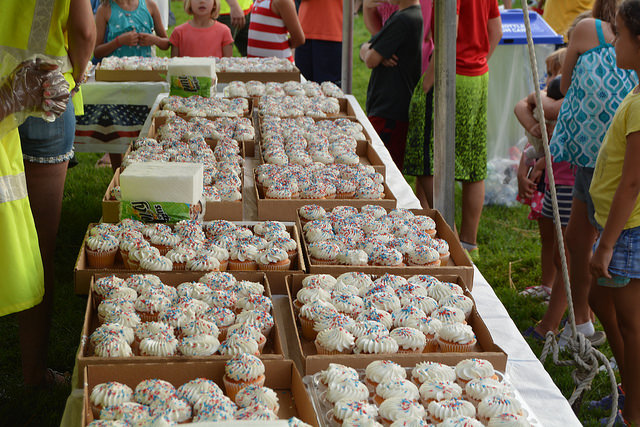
532	333
538	291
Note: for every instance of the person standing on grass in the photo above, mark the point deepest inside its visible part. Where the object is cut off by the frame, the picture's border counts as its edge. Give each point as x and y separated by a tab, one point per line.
479	29
393	54
202	35
274	29
68	37
615	189
236	14
594	87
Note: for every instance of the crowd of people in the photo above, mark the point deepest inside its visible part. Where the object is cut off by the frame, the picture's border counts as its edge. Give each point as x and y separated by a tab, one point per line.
591	106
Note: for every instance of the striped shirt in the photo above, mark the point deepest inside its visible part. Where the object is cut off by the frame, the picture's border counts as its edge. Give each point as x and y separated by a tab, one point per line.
268	36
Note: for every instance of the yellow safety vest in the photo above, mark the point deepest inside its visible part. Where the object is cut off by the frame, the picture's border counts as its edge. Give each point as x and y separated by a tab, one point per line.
26	29
245	5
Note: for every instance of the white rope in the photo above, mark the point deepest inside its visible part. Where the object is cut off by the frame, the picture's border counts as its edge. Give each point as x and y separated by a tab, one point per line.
584	356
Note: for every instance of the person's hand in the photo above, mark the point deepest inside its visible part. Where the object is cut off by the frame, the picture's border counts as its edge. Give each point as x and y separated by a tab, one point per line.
146	39
390	62
526	186
130	38
599	263
35	86
535	130
237	16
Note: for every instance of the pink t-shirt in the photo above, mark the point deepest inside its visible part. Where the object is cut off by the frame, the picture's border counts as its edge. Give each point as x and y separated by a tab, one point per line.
385	10
209	41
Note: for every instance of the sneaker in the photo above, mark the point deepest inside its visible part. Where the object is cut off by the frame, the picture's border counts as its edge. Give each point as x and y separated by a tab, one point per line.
597	339
619	421
539	291
606	402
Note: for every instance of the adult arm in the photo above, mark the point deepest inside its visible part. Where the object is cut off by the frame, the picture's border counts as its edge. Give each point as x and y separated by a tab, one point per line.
81	31
494	30
236	14
287	11
583	38
624	200
372	19
160	38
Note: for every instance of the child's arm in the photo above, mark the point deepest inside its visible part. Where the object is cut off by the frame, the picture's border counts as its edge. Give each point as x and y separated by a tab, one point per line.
622	205
287	11
372	19
526	186
227	50
524	115
371	57
103	49
236	14
160	38
176	52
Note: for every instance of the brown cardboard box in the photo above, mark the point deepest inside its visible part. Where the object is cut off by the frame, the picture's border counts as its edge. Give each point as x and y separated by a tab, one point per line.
231	211
280	76
459	262
281	375
130	75
313	362
82	273
272	350
287	209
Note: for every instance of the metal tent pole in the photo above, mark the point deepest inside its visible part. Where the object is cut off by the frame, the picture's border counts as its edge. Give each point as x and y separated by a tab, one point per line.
444	130
347	46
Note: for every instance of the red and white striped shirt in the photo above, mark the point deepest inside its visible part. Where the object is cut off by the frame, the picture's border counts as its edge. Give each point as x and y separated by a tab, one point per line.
268	36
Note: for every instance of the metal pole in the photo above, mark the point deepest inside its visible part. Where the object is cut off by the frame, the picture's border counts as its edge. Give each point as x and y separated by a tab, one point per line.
444	130
347	46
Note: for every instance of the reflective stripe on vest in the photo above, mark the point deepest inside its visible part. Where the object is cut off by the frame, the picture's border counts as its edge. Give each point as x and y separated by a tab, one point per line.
12	187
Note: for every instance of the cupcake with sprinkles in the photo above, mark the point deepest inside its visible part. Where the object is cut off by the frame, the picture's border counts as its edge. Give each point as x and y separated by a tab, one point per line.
456	338
397	408
241	371
108	394
101	250
344	409
449	408
336	340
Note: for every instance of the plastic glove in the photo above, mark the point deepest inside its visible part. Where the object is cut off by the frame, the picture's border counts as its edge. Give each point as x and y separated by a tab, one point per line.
35	86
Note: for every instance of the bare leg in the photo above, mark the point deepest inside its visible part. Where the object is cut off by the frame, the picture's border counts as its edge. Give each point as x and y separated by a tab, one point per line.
626	306
558	301
472	201
602	303
581	236
426	186
547	240
45	185
421	192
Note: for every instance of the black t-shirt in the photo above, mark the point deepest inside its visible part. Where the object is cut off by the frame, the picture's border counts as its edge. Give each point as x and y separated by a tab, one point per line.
390	88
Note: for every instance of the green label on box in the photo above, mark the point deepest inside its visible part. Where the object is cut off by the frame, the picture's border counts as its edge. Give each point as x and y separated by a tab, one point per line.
159	211
186	86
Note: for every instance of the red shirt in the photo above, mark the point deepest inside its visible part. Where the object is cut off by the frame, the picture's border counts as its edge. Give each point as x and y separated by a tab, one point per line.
199	42
472	44
321	19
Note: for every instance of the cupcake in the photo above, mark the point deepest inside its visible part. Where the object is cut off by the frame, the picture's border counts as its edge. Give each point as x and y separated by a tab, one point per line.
408	316
509	420
323	252
101	250
336	340
423	255
240	371
397	408
198	345
273	259
311	312
193	390
153	389
250	330
107	394
469	369
456	338
112	347
127	412
410	340
148	307
462	302
164	241
376	315
439	390
347	390
253	395
443	409
461	421
214	408
356	420
479	388
175	409
159	345
344	409
306	295
442	247
368	327
287	244
396	388
310	213
243	257
102	286
414	421
493	406
448	315
383	370
336	373
203	262
346	303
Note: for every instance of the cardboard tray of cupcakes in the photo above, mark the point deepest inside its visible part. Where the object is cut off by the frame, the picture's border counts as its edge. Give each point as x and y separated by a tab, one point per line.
306	353
280	375
275	76
458	263
287	209
346	110
231	211
85	356
83	272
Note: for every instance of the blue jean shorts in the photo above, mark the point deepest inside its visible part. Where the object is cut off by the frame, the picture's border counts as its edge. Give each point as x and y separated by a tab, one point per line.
625	261
49	142
581	191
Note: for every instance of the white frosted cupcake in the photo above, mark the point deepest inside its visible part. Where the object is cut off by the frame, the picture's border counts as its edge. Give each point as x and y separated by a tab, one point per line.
199	345
439	390
344	409
336	340
381	344
252	395
456	338
492	406
410	340
396	388
397	408
469	369
347	390
509	420
479	388
383	370
443	409
432	371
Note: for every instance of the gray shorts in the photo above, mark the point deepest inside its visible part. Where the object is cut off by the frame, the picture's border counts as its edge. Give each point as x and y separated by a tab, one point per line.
581	191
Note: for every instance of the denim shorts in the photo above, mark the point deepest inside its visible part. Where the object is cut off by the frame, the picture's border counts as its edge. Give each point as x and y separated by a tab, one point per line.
581	191
625	261
49	142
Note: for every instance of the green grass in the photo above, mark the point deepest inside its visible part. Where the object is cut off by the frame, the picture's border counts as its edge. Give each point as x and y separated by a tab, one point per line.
505	235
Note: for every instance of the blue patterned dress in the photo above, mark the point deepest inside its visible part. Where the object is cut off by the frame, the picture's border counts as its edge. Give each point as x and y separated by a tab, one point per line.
122	21
597	88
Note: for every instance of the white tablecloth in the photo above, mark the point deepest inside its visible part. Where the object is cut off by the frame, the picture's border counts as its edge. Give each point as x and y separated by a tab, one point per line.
524	370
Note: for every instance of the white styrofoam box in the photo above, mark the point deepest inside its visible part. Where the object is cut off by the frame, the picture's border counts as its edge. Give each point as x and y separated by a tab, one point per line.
162	182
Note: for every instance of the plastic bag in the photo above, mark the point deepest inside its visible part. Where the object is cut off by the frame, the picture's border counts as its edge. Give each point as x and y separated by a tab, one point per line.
501	185
33	87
